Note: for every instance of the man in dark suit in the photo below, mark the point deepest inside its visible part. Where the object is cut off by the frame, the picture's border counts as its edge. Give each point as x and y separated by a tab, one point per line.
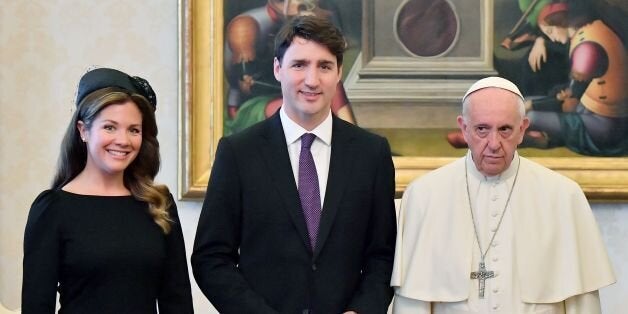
264	243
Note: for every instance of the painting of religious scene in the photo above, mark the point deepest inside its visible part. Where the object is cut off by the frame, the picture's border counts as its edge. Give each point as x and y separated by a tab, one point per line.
252	93
569	58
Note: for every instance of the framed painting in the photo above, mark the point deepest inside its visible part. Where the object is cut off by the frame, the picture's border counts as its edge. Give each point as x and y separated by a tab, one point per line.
402	83
200	93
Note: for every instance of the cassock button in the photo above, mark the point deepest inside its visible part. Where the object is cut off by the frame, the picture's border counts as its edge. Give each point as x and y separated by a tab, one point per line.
494	213
495	306
494	228
495	243
495	290
494	198
495	259
313	267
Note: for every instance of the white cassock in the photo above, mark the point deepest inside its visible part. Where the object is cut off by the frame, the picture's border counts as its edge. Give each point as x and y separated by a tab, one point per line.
547	255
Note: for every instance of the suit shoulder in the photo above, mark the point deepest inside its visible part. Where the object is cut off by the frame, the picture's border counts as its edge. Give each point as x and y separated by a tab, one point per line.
250	132
249	137
358	132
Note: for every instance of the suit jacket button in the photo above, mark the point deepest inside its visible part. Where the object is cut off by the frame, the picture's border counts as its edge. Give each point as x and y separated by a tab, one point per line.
314	267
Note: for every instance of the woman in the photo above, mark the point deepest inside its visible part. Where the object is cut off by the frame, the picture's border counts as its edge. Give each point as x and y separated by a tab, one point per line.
105	236
590	116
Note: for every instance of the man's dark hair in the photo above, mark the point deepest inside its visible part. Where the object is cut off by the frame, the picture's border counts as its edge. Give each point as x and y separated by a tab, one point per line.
313	28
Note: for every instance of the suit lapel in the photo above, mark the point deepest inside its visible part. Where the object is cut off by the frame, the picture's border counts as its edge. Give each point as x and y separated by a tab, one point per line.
275	154
339	170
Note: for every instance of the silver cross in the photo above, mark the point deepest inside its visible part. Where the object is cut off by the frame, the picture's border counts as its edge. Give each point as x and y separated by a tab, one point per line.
481	275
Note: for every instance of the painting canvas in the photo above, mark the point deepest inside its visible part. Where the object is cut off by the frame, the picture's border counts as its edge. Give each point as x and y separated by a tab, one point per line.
407	65
252	93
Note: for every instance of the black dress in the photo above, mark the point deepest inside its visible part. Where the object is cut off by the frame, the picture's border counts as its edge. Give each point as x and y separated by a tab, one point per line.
104	254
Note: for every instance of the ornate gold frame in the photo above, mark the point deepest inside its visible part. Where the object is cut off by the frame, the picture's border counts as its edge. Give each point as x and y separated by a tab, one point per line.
201	117
200	92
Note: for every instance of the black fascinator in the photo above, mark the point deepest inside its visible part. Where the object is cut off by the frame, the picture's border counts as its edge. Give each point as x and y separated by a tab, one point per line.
104	77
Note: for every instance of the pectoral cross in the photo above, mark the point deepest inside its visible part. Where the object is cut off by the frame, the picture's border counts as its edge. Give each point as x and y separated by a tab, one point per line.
481	275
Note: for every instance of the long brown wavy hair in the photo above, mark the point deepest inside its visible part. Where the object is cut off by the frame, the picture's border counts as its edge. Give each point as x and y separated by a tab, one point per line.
139	175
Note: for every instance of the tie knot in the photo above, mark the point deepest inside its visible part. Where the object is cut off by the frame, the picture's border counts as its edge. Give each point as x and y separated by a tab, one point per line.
307	139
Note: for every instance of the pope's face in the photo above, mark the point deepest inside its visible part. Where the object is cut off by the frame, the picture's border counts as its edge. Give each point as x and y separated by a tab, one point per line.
493	129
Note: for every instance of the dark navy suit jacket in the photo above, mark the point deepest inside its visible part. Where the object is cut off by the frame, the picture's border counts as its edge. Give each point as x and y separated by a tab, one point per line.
252	252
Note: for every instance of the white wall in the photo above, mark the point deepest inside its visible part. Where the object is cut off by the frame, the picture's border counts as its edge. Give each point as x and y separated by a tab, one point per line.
46	45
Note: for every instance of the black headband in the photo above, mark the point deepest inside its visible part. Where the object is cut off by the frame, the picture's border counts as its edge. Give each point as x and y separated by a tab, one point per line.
103	77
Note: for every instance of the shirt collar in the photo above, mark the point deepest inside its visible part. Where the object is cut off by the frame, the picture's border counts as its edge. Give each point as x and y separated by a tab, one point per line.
507	174
294	131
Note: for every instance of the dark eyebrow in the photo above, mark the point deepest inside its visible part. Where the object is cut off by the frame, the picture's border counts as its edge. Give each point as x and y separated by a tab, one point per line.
116	123
299	61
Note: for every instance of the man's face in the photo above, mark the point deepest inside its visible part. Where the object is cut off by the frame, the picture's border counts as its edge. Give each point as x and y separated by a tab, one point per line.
309	74
493	129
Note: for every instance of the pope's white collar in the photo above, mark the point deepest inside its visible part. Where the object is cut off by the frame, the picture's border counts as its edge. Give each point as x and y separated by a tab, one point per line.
507	174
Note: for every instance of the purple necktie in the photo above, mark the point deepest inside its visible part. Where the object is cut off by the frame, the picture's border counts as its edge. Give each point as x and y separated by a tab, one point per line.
309	192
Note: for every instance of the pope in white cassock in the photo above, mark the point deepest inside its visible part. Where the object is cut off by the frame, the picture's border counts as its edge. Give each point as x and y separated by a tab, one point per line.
494	232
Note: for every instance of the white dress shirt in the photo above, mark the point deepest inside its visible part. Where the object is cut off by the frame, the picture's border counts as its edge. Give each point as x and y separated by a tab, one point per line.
321	148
